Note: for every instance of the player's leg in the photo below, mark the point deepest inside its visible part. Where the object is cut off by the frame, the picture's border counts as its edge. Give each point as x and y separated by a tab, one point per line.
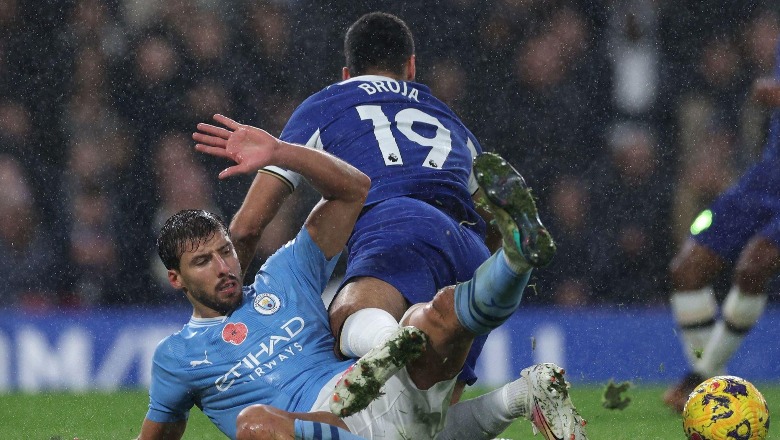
384	265
396	260
457	314
720	235
743	306
695	311
264	422
364	314
693	301
539	395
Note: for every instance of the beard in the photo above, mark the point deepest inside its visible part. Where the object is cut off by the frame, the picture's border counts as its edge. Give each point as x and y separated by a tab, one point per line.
222	304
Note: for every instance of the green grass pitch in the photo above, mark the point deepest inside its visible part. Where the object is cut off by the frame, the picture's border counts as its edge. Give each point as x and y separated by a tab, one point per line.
118	415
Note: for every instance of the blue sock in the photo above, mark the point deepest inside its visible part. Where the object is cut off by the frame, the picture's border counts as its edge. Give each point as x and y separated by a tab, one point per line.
487	300
308	430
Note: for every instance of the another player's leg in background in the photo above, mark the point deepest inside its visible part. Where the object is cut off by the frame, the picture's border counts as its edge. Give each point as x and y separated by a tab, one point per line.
709	342
743	306
695	311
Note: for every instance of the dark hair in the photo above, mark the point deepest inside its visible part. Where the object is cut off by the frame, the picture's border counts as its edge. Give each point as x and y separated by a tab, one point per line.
379	40
185	231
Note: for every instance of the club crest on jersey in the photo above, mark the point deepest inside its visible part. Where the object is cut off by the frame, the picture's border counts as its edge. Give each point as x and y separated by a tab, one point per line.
267	303
235	333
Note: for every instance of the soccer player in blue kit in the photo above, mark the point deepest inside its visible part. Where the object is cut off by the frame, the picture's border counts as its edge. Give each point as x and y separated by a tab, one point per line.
741	228
259	360
420	229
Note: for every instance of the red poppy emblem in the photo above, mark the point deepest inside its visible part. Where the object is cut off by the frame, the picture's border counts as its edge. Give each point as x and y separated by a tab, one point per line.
235	333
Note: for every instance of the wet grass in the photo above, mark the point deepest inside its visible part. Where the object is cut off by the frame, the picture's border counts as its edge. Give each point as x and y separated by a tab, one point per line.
118	415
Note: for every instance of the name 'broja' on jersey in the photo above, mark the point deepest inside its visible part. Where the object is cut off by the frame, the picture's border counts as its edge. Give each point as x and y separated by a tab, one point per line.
275	349
407	141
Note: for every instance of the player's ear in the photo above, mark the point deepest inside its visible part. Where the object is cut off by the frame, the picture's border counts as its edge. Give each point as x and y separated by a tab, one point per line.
345	75
175	279
411	68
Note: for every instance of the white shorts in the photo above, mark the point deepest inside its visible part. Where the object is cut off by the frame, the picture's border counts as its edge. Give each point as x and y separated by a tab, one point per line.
402	412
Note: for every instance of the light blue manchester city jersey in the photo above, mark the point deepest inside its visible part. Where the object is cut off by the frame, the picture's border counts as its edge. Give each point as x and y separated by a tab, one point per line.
275	349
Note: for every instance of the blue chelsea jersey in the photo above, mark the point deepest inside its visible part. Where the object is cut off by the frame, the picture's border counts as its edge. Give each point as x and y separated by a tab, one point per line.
275	349
408	142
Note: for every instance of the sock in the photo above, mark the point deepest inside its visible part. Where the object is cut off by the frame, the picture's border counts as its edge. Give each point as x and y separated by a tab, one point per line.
486	416
364	330
694	311
740	314
308	430
487	300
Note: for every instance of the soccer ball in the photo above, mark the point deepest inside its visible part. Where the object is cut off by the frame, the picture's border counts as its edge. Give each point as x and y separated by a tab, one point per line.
726	408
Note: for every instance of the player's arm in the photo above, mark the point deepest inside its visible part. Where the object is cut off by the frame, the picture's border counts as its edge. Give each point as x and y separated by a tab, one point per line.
261	204
343	187
766	91
162	431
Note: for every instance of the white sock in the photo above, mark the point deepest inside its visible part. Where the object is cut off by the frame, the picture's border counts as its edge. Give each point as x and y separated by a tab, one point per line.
694	311
486	416
740	314
364	330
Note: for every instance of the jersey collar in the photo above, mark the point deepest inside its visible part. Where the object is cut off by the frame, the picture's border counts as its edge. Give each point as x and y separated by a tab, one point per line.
364	78
206	322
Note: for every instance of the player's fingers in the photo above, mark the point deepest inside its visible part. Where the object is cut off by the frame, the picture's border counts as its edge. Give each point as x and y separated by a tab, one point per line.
214	130
214	151
213	141
230	171
227	122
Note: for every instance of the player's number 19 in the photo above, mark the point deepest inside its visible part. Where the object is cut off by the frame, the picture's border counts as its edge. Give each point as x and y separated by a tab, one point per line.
440	144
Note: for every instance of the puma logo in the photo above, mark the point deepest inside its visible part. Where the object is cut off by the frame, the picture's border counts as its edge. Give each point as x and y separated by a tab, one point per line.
204	361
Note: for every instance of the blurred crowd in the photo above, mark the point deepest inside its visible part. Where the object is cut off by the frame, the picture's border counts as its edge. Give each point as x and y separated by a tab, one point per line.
626	117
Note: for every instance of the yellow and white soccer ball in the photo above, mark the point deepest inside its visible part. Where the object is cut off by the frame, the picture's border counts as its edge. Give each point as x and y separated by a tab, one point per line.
726	408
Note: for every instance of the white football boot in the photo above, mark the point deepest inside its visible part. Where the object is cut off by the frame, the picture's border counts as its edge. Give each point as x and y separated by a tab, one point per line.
363	381
550	409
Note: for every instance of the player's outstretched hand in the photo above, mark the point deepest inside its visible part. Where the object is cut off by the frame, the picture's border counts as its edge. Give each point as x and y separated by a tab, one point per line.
249	147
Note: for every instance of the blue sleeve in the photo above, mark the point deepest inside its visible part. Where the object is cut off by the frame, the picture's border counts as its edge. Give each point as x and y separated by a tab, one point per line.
170	400
300	266
302	125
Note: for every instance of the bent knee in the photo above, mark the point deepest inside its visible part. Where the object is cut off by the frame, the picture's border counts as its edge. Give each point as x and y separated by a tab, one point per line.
439	313
758	262
259	422
363	293
694	267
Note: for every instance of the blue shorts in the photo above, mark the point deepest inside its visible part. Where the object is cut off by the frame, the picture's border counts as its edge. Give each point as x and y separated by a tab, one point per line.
418	249
749	208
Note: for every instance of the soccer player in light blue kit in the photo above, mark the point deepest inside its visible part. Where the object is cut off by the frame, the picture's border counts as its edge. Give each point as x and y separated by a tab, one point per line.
740	229
259	360
420	230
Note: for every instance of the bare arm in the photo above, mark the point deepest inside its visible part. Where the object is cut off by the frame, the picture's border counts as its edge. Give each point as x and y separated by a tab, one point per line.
162	431
766	91
261	204
343	187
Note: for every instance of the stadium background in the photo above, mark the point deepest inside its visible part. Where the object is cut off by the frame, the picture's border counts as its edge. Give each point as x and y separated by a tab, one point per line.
626	118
